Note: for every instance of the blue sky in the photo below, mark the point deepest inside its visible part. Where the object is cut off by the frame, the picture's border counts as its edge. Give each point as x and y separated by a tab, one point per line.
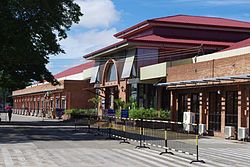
103	18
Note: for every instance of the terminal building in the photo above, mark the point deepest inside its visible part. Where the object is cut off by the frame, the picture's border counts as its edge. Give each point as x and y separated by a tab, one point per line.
180	63
72	92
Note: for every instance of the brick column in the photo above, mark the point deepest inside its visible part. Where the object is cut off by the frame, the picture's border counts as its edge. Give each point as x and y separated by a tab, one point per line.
247	107
240	93
100	106
223	111
188	102
244	106
123	90
201	111
205	107
173	105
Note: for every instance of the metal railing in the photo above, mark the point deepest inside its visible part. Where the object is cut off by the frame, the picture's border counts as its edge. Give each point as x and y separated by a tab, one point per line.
168	135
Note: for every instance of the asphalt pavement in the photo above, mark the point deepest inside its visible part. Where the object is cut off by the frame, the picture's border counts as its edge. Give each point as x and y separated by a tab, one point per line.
30	141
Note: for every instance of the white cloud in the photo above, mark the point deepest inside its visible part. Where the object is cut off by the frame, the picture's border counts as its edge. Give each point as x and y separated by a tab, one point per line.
97	13
77	45
216	2
228	2
94	31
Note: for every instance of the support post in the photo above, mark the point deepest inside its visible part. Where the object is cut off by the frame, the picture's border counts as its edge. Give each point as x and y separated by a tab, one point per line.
166	142
109	129
124	133
142	145
197	148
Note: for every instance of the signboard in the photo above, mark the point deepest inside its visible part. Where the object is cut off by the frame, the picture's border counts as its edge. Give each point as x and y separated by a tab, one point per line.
124	113
111	113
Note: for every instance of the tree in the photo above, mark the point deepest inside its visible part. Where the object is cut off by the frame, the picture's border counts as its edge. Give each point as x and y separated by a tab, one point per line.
30	31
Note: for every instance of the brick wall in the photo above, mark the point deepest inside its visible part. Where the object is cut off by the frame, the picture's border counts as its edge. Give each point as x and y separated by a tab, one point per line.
78	93
221	67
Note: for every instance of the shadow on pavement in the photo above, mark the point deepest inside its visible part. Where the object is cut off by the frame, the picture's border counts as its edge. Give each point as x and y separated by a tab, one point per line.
22	132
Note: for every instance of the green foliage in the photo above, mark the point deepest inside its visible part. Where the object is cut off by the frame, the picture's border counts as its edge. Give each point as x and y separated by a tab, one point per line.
118	113
125	105
149	114
86	112
30	32
95	101
164	114
120	103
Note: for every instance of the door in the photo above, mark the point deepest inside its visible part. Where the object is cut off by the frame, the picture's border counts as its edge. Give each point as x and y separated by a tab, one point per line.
214	114
182	106
232	109
195	106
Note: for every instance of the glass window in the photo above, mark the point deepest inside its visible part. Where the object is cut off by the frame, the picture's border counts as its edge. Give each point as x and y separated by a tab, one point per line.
111	73
63	104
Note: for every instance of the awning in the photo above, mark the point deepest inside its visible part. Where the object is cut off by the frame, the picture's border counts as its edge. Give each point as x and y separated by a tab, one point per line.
206	80
128	64
127	67
94	74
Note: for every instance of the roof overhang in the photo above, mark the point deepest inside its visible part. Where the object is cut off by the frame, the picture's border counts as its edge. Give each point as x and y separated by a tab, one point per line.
206	80
107	50
150	23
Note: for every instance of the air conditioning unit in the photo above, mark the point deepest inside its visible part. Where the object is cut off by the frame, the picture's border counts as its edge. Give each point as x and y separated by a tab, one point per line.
188	120
229	132
242	133
202	129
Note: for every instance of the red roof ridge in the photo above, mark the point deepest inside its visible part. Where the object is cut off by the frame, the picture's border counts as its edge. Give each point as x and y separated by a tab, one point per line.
237	45
208	17
157	38
190	20
75	69
167	17
116	44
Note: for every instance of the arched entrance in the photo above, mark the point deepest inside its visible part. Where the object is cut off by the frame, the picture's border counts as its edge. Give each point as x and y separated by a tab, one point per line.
110	82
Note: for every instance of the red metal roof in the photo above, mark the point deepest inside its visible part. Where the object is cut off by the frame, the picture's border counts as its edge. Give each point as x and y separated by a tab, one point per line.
75	70
156	38
191	20
204	20
106	48
238	45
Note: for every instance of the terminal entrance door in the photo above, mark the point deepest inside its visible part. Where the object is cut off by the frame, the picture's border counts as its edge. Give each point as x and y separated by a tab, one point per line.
232	109
214	114
182	106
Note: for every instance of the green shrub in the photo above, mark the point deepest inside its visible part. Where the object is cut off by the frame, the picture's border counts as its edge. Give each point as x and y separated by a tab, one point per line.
165	114
87	112
149	114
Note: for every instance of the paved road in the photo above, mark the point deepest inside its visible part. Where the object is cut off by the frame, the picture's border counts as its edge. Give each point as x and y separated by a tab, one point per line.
26	143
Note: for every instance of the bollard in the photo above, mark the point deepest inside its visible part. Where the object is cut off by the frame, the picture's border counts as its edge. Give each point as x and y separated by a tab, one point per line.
124	133
197	147
141	137
166	141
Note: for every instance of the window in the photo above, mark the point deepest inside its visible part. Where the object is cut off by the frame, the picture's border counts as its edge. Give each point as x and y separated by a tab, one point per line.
111	73
63	106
